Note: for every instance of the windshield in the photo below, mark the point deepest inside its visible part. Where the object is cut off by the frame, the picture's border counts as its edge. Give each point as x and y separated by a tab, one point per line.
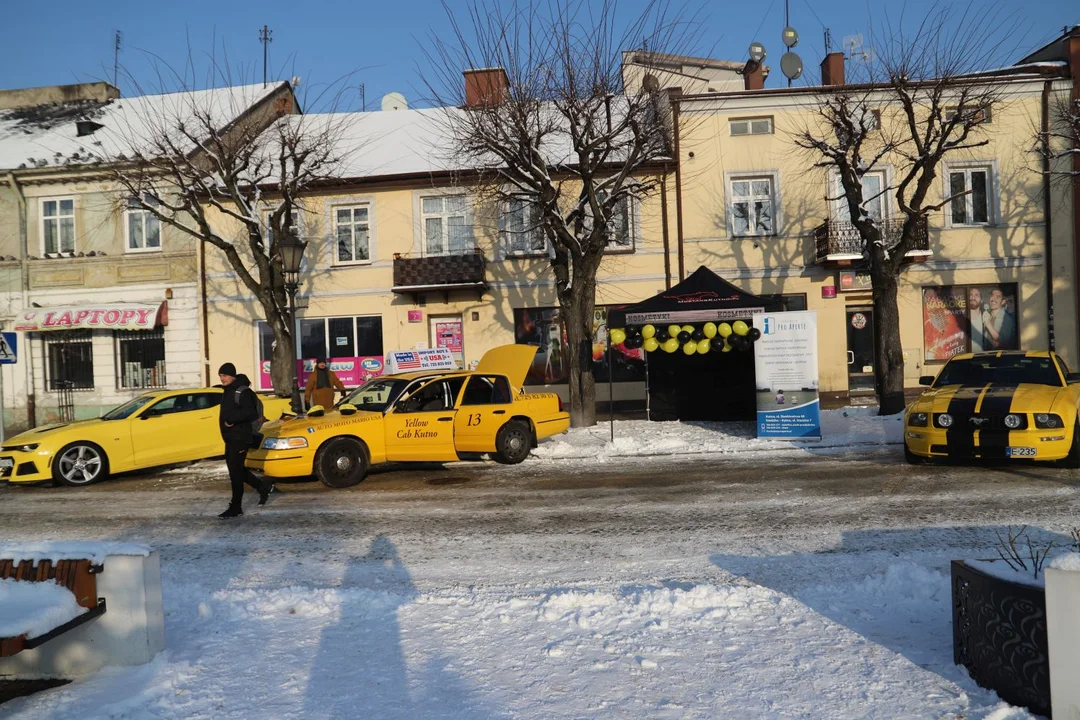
376	395
1004	370
128	409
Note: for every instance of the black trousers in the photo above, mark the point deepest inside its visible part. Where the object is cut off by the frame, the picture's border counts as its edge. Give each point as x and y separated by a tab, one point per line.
238	474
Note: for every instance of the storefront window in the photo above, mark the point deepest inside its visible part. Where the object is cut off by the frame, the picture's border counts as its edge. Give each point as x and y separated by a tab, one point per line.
968	318
140	361
353	345
544	327
70	358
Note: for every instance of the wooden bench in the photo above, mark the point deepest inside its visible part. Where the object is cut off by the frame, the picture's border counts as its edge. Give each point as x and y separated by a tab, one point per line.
78	576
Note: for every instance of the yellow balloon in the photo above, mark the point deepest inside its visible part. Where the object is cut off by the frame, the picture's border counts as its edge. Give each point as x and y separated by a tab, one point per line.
740	327
709	330
648	332
727	348
723	330
688	328
618	336
690	348
703	346
673	330
670	345
651	344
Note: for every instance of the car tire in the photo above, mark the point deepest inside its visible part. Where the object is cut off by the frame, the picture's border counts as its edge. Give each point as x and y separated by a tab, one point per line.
1072	460
341	463
513	442
79	464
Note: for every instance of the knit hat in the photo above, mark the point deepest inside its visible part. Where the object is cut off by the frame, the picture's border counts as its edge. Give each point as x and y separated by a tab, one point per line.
227	369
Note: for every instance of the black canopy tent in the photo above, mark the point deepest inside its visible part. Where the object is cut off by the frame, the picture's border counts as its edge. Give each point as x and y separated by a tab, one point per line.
713	386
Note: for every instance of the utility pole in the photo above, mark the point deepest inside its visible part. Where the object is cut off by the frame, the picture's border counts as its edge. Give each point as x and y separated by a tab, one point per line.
265	37
787	24
116	57
363	99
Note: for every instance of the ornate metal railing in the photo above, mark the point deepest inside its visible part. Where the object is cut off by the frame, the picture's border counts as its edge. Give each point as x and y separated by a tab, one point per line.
833	238
439	270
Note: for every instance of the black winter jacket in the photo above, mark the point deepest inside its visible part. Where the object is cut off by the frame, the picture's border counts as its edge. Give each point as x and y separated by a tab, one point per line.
238	409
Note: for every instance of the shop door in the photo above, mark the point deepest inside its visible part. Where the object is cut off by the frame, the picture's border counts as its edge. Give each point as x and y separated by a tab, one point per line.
447	333
860	350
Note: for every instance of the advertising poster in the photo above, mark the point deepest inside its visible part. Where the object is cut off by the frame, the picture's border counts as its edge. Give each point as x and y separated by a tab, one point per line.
968	318
544	327
786	368
352	371
448	335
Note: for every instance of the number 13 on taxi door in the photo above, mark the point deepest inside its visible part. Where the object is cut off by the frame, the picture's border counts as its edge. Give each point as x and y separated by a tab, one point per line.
474	419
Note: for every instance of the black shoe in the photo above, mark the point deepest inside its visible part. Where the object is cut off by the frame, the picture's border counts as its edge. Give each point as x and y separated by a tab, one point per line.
265	490
232	511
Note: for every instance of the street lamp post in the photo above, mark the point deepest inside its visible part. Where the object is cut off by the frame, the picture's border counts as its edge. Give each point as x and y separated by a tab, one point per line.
292	257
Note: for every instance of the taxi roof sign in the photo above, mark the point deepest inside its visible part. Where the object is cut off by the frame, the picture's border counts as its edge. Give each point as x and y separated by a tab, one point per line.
401	361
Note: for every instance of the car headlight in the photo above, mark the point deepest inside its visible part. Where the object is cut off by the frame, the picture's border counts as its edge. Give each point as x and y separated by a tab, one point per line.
1046	420
917	419
22	448
1013	421
943	420
284	443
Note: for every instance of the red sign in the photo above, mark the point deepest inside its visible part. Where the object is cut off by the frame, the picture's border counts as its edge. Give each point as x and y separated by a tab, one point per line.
851	281
116	316
416	316
828	291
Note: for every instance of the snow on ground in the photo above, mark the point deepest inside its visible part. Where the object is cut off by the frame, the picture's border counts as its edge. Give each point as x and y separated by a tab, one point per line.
95	552
35	608
846	428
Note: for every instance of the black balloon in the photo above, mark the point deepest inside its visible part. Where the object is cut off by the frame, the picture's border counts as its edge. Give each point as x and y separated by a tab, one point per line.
717	343
754	334
662	336
684	337
737	342
697	335
635	341
633	330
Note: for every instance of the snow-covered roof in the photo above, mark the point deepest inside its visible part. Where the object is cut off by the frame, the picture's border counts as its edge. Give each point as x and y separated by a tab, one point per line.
47	136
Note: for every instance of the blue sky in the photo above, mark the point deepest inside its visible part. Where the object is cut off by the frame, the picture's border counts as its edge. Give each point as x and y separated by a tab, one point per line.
379	43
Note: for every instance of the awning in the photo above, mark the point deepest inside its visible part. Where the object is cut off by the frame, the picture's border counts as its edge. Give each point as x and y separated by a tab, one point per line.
113	316
703	296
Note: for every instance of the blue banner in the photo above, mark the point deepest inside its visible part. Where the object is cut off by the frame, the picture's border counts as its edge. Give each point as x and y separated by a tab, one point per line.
786	371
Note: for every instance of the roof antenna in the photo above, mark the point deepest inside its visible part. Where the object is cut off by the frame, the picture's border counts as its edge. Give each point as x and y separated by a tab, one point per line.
265	37
116	56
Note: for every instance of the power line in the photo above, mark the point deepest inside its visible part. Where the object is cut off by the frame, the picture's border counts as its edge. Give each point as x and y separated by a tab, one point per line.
766	17
811	9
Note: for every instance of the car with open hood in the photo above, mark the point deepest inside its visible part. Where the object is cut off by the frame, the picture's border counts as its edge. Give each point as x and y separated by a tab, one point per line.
163	427
996	406
423	416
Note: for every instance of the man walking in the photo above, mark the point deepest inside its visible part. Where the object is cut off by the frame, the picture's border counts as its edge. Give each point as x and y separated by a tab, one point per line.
239	410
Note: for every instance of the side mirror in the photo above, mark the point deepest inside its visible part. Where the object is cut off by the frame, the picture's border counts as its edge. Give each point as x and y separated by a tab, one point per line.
347	409
926	380
1072	378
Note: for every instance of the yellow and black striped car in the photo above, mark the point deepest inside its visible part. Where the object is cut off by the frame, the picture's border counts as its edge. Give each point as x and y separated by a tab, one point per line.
994	406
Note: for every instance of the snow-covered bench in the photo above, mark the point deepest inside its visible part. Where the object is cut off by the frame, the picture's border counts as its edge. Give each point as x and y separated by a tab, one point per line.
68	609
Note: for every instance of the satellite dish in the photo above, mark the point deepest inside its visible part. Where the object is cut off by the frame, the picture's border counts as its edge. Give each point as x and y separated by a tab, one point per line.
757	52
394	101
791	65
650	83
851	42
790	37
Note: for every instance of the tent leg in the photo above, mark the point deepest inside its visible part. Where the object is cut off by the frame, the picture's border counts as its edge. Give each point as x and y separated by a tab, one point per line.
648	405
611	394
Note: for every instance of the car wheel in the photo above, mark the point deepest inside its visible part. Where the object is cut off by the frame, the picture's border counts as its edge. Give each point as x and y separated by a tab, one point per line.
1072	460
341	463
80	464
513	442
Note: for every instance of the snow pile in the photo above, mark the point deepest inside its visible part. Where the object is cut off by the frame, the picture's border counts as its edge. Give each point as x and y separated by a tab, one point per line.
95	552
1069	562
1003	571
34	608
641	438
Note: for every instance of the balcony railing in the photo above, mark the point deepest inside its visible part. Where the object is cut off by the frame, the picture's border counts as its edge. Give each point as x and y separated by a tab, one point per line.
439	273
840	241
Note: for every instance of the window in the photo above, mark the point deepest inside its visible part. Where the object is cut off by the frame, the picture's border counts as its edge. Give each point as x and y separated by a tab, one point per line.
446	225
143	228
874	188
313	338
70	358
58	225
981	115
621	229
354	345
871	119
521	224
970	203
751	126
752	206
369	341
184	403
140	358
352	232
436	396
494	390
268	224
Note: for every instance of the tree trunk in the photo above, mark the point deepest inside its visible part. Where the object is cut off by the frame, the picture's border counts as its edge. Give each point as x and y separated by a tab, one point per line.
577	305
888	351
283	358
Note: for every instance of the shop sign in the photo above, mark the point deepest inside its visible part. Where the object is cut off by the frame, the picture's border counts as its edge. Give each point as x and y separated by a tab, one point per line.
352	371
416	316
400	361
851	281
114	316
786	368
828	291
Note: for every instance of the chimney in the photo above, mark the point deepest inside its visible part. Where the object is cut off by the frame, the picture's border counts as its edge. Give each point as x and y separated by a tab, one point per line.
832	69
488	86
753	76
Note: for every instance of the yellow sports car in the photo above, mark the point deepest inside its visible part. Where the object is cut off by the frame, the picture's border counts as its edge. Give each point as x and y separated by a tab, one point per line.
156	428
996	405
426	416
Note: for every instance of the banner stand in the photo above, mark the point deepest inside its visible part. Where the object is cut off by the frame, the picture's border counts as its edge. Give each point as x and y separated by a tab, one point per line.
786	372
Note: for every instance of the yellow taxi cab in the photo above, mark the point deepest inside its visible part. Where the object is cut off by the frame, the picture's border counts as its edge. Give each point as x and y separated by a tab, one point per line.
996	405
156	428
424	416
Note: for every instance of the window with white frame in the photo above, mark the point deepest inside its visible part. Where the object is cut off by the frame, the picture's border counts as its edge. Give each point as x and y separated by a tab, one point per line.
140	358
753	205
69	363
58	225
874	188
446	227
970	193
522	228
352	232
751	126
622	227
268	224
143	227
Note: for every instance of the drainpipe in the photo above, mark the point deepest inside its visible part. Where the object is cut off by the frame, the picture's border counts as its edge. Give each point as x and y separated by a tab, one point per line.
24	272
205	313
664	225
1048	251
676	95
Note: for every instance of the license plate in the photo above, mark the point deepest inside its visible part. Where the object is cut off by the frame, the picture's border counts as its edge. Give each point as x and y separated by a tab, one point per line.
1020	451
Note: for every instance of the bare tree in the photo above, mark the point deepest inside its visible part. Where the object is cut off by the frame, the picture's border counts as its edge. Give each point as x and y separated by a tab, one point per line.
564	136
922	102
1060	145
208	162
